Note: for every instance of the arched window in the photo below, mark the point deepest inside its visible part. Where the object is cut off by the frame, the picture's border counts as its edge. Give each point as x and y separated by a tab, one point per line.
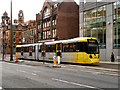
46	13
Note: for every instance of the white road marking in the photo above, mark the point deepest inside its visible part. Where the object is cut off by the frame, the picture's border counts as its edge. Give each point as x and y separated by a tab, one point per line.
26	72
0	88
73	83
111	74
97	72
21	71
71	69
34	74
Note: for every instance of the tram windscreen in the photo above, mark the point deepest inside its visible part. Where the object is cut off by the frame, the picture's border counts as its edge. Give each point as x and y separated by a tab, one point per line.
93	47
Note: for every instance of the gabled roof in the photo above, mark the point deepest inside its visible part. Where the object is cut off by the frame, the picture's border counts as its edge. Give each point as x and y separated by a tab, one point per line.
5	13
51	3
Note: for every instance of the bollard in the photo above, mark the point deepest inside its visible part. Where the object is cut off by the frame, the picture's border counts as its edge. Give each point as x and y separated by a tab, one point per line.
55	60
16	58
3	58
58	59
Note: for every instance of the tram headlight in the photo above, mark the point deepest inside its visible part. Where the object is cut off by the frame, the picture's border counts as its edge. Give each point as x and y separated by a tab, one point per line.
90	56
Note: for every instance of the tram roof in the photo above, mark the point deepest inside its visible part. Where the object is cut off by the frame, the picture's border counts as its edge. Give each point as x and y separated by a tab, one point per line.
60	41
27	45
70	40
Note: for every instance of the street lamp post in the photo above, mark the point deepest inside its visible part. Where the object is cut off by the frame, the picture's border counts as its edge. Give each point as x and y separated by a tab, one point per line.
4	42
11	50
43	51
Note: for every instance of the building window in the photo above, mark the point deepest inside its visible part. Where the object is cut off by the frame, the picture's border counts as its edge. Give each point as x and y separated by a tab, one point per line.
54	21
19	40
21	14
43	35
14	48
14	33
24	34
21	20
39	37
48	23
19	27
48	34
27	33
54	33
32	32
39	26
14	40
95	24
46	13
116	25
19	34
84	2
55	6
43	24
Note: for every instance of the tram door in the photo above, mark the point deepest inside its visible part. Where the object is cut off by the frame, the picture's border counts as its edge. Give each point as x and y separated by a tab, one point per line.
36	52
43	50
59	49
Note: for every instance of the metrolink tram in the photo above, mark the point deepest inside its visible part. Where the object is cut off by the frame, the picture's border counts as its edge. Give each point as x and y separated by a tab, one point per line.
84	50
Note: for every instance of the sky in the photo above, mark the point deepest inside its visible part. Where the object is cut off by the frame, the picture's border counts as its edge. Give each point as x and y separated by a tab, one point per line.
29	7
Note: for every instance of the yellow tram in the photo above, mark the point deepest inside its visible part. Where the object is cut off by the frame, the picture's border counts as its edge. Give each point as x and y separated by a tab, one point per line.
84	50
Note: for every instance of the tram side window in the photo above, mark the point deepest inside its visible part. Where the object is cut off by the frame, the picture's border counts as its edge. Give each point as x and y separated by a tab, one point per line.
39	48
70	47
50	48
81	47
18	49
33	49
54	48
26	49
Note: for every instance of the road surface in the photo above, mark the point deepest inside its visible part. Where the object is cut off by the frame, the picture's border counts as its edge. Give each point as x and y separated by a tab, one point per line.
26	76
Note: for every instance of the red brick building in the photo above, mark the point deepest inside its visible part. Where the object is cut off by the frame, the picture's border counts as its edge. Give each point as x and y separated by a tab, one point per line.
23	32
29	34
58	21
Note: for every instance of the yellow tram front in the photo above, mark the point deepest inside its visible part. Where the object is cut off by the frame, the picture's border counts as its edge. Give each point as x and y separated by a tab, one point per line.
89	51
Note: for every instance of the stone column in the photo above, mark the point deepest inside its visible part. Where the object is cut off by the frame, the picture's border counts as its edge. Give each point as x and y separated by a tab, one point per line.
109	31
81	19
81	24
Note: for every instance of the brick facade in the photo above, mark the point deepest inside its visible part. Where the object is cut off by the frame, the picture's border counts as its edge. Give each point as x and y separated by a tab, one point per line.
58	21
21	30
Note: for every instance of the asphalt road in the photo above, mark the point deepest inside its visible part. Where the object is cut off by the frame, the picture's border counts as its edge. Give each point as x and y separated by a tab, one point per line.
26	76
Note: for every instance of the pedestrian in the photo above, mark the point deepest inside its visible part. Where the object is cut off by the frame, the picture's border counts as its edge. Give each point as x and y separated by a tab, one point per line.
112	57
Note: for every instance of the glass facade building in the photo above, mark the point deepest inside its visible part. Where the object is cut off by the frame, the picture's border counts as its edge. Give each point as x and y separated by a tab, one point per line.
102	21
95	24
116	24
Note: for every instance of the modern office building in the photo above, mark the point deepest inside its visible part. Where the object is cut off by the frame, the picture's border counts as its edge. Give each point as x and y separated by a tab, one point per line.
101	20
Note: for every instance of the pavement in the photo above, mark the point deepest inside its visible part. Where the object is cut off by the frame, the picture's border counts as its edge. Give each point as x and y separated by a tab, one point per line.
106	62
103	65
